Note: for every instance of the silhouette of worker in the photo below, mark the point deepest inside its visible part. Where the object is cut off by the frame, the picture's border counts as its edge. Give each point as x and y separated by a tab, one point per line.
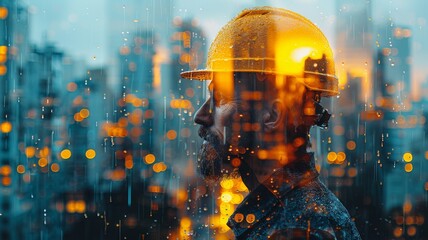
269	68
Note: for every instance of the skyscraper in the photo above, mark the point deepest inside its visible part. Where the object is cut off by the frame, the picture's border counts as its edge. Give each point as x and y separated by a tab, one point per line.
188	51
137	74
125	18
393	81
354	172
354	44
403	124
13	18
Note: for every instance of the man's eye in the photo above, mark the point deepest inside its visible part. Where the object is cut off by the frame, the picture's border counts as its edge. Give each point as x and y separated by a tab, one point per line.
220	98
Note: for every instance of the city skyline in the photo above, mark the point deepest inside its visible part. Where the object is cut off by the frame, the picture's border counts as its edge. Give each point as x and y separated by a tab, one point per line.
79	153
81	28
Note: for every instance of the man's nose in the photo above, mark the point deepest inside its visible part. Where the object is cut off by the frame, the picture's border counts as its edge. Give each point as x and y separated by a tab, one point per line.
204	114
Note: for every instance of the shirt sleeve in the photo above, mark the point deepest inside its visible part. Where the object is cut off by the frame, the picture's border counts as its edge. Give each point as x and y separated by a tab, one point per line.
347	231
301	234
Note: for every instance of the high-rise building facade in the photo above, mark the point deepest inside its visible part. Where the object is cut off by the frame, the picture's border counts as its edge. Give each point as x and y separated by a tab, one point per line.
125	18
353	51
138	76
403	118
354	167
403	146
184	97
13	18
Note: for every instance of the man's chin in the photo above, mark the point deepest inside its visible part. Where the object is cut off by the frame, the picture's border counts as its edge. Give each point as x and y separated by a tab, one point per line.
209	164
211	160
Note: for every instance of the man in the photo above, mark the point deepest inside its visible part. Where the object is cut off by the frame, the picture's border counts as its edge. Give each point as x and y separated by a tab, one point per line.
269	68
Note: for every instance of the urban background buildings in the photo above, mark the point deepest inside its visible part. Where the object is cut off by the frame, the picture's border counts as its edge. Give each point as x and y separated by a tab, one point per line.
84	156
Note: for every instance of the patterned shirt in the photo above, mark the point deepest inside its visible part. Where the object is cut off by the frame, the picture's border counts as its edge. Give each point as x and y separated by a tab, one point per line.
295	206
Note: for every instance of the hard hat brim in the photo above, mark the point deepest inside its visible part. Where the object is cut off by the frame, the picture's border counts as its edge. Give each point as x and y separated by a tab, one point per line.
197	75
205	74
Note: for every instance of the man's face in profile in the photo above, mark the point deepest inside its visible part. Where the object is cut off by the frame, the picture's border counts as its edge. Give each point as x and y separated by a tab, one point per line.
216	117
245	112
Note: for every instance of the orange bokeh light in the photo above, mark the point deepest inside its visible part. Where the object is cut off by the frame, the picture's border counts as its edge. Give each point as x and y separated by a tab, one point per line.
20	169
408	167
90	153
55	167
6	127
71	87
171	134
6	181
65	154
3	12
43	162
3	70
84	113
30	152
149	158
351	145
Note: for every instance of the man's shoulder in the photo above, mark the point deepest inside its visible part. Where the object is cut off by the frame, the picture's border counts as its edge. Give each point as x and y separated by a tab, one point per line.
315	199
301	234
314	207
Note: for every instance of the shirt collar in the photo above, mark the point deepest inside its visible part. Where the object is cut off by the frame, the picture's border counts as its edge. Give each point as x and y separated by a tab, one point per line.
261	203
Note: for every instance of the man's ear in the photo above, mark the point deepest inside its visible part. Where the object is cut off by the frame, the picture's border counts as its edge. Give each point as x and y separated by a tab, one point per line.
273	119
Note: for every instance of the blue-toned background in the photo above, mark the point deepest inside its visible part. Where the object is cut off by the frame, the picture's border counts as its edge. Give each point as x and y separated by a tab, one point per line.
96	133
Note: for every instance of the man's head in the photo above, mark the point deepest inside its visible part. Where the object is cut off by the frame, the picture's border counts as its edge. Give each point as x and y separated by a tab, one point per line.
268	69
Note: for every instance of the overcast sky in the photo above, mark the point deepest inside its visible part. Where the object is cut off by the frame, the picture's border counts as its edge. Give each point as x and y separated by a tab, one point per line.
80	26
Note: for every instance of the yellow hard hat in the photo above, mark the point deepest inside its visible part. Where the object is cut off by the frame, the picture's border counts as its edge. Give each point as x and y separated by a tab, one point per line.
272	41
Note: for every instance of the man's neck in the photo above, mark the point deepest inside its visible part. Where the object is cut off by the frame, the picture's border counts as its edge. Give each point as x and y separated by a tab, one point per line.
248	176
255	171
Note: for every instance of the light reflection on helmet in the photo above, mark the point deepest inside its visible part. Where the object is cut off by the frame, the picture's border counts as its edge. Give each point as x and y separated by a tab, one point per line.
272	41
